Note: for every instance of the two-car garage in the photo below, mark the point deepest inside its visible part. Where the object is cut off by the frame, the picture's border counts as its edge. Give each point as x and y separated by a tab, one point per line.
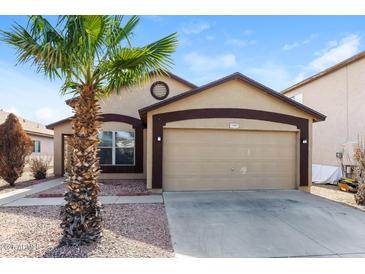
210	159
231	134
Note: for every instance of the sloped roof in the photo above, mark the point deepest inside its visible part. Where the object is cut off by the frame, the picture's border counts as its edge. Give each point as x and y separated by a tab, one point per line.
60	122
169	74
234	76
342	64
30	127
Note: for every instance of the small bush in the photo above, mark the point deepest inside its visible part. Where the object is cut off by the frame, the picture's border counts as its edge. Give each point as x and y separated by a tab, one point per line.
39	167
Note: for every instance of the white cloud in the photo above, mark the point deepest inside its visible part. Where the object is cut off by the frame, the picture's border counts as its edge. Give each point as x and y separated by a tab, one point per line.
194	27
202	63
271	74
240	42
347	47
185	42
47	114
247	32
13	110
297	44
333	53
329	45
291	46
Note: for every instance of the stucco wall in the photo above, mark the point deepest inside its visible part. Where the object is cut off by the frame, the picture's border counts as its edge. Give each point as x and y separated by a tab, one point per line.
340	96
127	102
46	149
232	94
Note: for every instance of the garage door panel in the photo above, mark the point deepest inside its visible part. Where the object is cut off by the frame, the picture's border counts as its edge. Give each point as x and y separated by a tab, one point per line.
196	159
209	152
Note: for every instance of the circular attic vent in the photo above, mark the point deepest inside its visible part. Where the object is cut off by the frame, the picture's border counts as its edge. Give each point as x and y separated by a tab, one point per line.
159	90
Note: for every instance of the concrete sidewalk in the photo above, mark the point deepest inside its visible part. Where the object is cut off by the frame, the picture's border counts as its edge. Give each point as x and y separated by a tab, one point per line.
147	199
17	194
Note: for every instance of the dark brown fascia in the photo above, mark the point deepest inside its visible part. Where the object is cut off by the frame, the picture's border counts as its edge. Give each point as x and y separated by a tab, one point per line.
53	125
235	76
39	134
169	74
326	71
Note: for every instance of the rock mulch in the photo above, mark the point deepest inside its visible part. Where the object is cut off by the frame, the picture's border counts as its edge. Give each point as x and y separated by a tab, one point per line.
107	188
132	230
332	192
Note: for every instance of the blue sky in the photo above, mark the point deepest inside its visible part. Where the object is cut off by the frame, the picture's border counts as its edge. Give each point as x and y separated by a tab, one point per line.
277	51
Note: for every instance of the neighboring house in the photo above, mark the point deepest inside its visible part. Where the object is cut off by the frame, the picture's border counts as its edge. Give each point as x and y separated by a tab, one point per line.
339	93
42	138
233	133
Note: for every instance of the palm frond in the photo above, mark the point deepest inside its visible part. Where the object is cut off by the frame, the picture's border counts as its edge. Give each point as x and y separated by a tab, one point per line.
93	50
130	66
49	59
117	33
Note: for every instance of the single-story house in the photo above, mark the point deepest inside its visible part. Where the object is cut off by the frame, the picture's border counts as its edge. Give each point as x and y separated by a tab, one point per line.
42	138
233	133
339	93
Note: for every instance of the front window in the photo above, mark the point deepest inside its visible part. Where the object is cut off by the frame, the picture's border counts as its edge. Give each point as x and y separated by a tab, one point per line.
36	146
116	148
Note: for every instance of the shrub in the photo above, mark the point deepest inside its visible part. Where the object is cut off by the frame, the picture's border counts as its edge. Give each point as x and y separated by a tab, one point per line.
15	146
39	167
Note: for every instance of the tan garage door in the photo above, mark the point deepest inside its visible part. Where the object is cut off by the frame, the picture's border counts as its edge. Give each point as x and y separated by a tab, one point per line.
205	159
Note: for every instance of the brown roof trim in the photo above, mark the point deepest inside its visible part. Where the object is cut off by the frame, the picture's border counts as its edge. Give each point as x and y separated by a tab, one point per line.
104	117
39	133
326	71
169	74
179	79
234	76
60	122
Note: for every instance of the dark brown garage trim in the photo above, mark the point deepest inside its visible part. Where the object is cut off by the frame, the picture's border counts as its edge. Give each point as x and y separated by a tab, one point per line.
160	120
138	128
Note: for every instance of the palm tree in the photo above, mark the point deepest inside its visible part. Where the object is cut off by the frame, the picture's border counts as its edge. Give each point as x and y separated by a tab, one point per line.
94	57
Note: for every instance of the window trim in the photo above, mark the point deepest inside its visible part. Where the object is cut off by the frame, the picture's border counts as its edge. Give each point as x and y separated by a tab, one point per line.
139	128
114	148
34	146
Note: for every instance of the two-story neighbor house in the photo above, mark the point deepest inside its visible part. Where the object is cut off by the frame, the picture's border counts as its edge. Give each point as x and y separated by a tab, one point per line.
339	93
232	133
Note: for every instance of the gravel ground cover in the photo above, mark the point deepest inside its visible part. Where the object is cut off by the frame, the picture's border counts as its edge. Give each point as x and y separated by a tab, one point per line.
131	230
332	192
107	187
24	181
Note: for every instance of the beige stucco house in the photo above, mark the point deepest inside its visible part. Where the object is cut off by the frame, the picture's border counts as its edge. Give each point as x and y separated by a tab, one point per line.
233	133
339	93
41	137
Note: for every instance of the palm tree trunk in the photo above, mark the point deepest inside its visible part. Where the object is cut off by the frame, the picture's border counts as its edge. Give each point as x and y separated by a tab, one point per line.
82	222
360	194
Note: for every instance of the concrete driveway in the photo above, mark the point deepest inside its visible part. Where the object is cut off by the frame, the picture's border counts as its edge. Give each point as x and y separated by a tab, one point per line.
275	223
